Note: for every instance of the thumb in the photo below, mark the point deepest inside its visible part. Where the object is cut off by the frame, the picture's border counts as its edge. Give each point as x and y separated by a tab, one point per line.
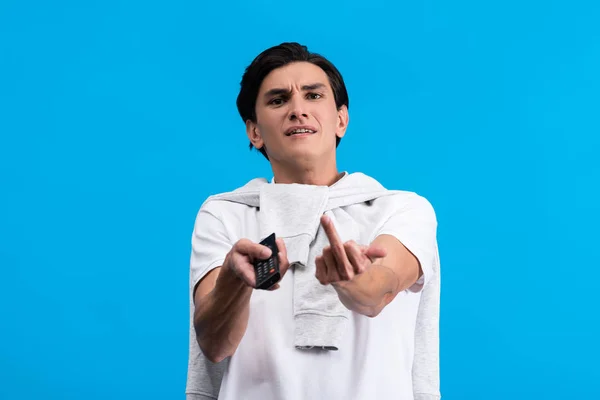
375	252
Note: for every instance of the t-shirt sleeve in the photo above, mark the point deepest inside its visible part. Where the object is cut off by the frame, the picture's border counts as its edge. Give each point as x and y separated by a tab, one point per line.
414	224
210	245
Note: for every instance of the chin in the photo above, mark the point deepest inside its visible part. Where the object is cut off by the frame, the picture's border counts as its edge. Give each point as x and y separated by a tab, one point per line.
309	154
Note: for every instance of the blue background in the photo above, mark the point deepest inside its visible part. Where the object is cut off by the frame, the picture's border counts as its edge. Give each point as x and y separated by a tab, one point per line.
117	119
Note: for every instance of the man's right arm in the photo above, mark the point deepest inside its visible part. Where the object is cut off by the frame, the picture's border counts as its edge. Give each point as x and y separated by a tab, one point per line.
222	303
222	299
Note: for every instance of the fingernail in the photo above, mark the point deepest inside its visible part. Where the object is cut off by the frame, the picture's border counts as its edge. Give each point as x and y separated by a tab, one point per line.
266	253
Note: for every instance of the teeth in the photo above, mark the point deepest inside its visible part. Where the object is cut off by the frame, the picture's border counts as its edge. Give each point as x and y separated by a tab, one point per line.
301	131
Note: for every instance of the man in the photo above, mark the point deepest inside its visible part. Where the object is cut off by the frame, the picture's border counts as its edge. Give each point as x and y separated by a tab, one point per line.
355	314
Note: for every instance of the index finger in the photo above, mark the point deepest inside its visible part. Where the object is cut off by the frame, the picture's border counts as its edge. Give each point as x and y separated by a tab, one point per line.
255	251
334	239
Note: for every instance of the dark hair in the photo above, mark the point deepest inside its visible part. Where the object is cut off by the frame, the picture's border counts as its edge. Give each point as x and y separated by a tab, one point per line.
276	57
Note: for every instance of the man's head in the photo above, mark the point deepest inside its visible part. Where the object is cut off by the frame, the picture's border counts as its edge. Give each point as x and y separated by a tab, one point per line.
287	87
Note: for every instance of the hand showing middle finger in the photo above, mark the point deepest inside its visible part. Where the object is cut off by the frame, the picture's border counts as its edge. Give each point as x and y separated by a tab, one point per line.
356	256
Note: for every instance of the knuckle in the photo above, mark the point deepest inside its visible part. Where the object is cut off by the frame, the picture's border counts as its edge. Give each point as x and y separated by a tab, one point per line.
346	274
248	278
242	242
240	245
233	260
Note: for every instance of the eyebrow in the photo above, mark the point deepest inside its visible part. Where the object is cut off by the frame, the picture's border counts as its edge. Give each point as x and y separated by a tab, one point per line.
279	91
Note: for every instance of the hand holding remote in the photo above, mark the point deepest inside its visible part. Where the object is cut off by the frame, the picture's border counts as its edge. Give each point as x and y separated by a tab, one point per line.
245	254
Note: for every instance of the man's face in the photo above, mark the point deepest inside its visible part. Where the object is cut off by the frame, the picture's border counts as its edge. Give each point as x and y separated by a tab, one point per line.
297	96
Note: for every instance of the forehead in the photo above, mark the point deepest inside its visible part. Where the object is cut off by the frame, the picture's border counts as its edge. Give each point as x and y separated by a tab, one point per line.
294	74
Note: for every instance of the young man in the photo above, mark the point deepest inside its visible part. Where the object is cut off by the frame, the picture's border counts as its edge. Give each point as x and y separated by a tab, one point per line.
355	314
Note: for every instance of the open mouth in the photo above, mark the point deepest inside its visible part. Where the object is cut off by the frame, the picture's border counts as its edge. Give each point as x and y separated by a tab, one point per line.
300	132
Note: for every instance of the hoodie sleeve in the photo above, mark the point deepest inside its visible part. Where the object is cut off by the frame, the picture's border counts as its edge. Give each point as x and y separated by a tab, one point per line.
413	222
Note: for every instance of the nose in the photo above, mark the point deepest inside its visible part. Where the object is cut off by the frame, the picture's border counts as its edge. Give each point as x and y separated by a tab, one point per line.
297	109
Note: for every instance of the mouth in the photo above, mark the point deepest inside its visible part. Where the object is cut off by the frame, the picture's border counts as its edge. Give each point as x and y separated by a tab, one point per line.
301	131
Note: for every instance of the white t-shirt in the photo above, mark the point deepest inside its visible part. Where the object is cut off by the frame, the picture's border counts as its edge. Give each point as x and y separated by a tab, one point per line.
376	354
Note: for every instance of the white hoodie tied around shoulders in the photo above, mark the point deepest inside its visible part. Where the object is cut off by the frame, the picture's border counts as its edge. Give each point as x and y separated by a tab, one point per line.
301	342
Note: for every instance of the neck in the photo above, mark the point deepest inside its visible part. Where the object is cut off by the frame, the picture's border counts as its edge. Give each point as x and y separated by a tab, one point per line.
306	175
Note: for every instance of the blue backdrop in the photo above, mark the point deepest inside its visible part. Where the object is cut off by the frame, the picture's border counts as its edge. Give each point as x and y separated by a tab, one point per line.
117	119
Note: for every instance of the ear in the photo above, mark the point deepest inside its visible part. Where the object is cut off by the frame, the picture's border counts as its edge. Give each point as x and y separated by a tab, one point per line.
343	120
254	134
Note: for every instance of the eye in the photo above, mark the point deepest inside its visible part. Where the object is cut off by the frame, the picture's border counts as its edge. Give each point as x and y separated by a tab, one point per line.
313	96
277	101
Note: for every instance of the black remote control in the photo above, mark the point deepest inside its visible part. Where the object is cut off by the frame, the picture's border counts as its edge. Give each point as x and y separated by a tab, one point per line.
267	271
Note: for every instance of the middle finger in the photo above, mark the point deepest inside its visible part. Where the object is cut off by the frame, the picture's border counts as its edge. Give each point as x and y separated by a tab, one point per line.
334	274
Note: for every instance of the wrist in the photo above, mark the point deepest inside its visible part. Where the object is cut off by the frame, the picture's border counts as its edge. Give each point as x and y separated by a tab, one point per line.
229	282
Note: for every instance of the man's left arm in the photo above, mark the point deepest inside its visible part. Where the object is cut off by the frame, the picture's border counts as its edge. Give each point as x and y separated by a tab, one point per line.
367	278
